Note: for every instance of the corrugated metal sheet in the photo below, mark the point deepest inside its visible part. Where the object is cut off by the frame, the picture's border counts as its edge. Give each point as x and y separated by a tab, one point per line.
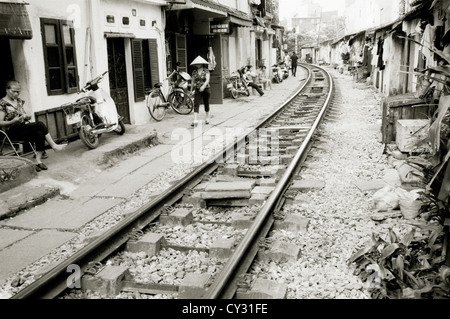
14	21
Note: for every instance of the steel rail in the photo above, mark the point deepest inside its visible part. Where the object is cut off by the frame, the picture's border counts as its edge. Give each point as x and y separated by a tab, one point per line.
55	281
218	288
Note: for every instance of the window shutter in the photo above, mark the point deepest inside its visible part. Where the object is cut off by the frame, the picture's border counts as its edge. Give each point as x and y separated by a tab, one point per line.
181	52
69	56
51	40
138	70
154	61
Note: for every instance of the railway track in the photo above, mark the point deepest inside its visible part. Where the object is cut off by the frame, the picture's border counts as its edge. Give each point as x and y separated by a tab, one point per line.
200	237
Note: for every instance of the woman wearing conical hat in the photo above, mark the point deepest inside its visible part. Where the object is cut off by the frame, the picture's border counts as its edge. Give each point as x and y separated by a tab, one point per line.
200	83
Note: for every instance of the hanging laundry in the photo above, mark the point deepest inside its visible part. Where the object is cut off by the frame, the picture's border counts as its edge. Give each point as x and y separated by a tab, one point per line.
380	64
167	48
211	60
419	28
374	61
387	49
427	42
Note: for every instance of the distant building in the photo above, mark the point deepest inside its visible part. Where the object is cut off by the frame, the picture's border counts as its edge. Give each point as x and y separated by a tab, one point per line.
308	18
366	14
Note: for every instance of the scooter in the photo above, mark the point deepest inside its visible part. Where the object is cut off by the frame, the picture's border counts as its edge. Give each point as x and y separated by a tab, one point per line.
238	85
277	74
284	70
94	114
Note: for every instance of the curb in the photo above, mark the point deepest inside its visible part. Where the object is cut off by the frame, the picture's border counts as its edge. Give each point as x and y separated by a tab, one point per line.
120	153
15	201
15	171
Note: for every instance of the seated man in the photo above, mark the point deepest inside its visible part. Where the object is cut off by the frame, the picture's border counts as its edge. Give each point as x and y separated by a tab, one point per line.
263	77
248	75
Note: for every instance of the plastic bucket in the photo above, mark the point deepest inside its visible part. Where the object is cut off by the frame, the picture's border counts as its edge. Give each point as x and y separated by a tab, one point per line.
410	208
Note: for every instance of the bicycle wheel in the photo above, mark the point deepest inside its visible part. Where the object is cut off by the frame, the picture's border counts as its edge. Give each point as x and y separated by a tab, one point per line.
235	90
181	102
156	105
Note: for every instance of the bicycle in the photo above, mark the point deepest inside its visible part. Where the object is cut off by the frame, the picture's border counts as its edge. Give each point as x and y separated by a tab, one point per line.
177	96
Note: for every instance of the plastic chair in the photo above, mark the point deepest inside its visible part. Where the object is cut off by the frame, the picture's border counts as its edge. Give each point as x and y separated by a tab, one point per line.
15	144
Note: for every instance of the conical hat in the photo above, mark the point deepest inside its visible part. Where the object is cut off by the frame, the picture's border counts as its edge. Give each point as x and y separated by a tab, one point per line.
199	60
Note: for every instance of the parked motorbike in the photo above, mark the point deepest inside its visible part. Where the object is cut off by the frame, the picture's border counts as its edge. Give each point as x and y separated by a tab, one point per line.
237	85
94	114
284	70
277	74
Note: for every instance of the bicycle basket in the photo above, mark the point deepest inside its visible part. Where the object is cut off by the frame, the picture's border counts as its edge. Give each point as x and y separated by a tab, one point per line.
185	76
154	93
234	76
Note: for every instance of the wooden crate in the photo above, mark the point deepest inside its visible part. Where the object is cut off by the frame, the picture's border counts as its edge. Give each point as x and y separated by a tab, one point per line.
403	107
412	136
55	119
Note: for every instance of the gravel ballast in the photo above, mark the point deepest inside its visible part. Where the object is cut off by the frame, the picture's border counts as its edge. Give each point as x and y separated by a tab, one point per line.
349	151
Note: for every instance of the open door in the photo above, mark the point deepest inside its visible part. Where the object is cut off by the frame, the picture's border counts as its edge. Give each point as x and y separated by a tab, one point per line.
216	80
7	73
118	76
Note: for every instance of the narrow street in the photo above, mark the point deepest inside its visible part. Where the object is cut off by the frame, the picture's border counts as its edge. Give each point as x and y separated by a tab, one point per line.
350	160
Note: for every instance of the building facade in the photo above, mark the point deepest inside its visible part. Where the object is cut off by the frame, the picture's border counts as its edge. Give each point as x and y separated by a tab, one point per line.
54	47
72	42
389	48
236	32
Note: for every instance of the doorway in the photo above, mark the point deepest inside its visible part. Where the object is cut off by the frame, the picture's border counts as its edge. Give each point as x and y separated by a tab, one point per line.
258	54
7	73
200	45
118	77
216	75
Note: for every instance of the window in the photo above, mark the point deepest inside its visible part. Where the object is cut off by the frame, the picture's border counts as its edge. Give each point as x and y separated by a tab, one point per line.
145	66
61	71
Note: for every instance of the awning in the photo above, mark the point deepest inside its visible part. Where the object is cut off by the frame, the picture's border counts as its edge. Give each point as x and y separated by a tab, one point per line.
213	9
277	27
355	36
14	21
260	21
412	14
270	31
417	2
119	35
240	19
241	22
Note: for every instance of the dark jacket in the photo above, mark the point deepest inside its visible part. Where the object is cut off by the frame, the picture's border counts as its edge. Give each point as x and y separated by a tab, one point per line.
294	59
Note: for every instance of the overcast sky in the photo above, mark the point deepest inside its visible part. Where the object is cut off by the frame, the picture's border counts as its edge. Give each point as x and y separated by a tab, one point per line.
287	7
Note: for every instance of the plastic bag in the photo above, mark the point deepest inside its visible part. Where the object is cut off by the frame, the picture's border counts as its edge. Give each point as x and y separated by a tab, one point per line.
386	199
409	202
410	174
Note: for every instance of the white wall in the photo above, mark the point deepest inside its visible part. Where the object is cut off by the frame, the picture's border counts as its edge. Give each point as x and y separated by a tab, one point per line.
149	13
28	55
365	14
241	5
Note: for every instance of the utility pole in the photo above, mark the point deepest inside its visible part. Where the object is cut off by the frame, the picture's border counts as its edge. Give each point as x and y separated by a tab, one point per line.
318	31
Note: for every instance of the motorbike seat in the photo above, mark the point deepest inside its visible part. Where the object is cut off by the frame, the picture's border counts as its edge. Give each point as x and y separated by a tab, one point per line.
87	99
158	85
